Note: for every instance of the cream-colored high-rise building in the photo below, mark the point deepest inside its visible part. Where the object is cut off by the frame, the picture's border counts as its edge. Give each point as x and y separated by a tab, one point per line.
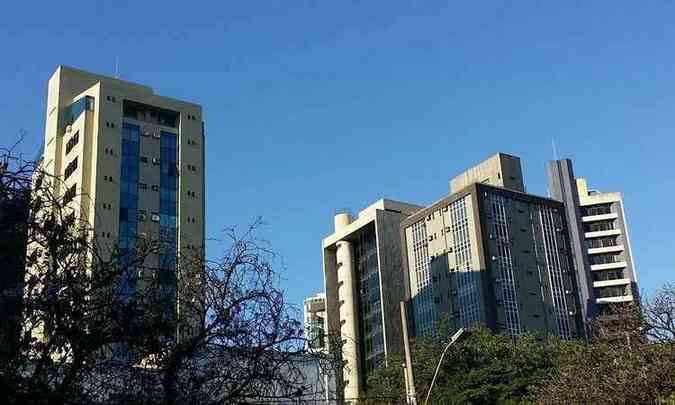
131	164
364	285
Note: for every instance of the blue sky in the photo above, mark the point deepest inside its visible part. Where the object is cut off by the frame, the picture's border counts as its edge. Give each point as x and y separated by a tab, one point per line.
312	106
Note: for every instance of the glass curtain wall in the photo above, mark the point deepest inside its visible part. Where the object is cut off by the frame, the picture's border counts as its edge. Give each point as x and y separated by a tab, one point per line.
370	308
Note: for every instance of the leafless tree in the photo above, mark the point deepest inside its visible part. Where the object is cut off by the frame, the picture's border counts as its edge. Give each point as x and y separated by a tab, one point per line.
248	343
630	358
222	334
659	313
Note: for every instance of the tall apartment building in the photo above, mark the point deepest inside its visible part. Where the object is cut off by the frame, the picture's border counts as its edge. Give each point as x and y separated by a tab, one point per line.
491	254
315	321
131	164
363	281
599	237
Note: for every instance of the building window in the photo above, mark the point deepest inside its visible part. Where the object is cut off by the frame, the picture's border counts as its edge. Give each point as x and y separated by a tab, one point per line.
607	275
72	142
70	194
74	111
604	258
142	186
600	209
151	114
155	187
144	159
155	161
72	166
602	242
599	226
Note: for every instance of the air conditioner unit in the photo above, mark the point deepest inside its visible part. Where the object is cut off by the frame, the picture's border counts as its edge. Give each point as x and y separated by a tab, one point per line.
156	134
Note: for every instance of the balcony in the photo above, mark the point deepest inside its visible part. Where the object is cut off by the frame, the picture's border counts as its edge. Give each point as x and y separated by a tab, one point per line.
600	217
614	300
601	234
607	249
609	266
611	283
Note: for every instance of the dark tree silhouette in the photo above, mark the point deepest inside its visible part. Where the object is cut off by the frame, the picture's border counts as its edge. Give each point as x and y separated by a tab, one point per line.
221	333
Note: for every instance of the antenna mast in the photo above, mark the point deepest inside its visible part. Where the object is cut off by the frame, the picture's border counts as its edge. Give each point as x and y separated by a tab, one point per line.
555	151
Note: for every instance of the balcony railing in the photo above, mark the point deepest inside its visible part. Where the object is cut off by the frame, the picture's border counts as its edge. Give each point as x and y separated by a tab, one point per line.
605	259
601	242
599	226
608	275
596	210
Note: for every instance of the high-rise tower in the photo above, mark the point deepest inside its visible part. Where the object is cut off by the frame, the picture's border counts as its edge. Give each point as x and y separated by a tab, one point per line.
490	254
599	239
363	279
131	165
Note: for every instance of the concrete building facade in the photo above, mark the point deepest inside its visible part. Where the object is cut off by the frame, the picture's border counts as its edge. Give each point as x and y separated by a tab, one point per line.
130	164
600	243
364	281
315	321
492	255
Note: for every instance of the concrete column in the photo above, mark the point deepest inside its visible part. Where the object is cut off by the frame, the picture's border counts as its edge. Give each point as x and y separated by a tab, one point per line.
348	318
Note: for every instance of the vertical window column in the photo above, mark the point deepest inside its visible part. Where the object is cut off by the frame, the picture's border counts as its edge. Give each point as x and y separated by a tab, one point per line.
128	229
168	186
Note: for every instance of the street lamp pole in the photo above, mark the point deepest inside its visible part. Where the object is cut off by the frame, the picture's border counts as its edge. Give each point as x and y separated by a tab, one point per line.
411	398
453	339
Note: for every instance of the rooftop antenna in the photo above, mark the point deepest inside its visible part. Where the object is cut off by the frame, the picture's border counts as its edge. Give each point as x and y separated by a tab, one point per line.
117	67
555	151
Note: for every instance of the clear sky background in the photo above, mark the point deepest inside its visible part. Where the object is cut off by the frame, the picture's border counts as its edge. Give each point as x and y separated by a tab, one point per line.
312	106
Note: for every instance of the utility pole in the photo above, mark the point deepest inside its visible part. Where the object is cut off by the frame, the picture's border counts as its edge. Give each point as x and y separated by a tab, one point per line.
411	398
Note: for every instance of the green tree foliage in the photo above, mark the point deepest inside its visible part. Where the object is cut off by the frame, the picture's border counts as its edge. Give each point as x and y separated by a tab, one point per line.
628	359
622	364
483	368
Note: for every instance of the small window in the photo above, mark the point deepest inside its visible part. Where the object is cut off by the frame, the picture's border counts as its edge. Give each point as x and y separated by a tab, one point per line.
142	186
154	217
155	187
72	142
144	159
155	161
70	169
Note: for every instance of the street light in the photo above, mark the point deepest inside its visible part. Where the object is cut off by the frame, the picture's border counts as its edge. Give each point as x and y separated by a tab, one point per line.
453	339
